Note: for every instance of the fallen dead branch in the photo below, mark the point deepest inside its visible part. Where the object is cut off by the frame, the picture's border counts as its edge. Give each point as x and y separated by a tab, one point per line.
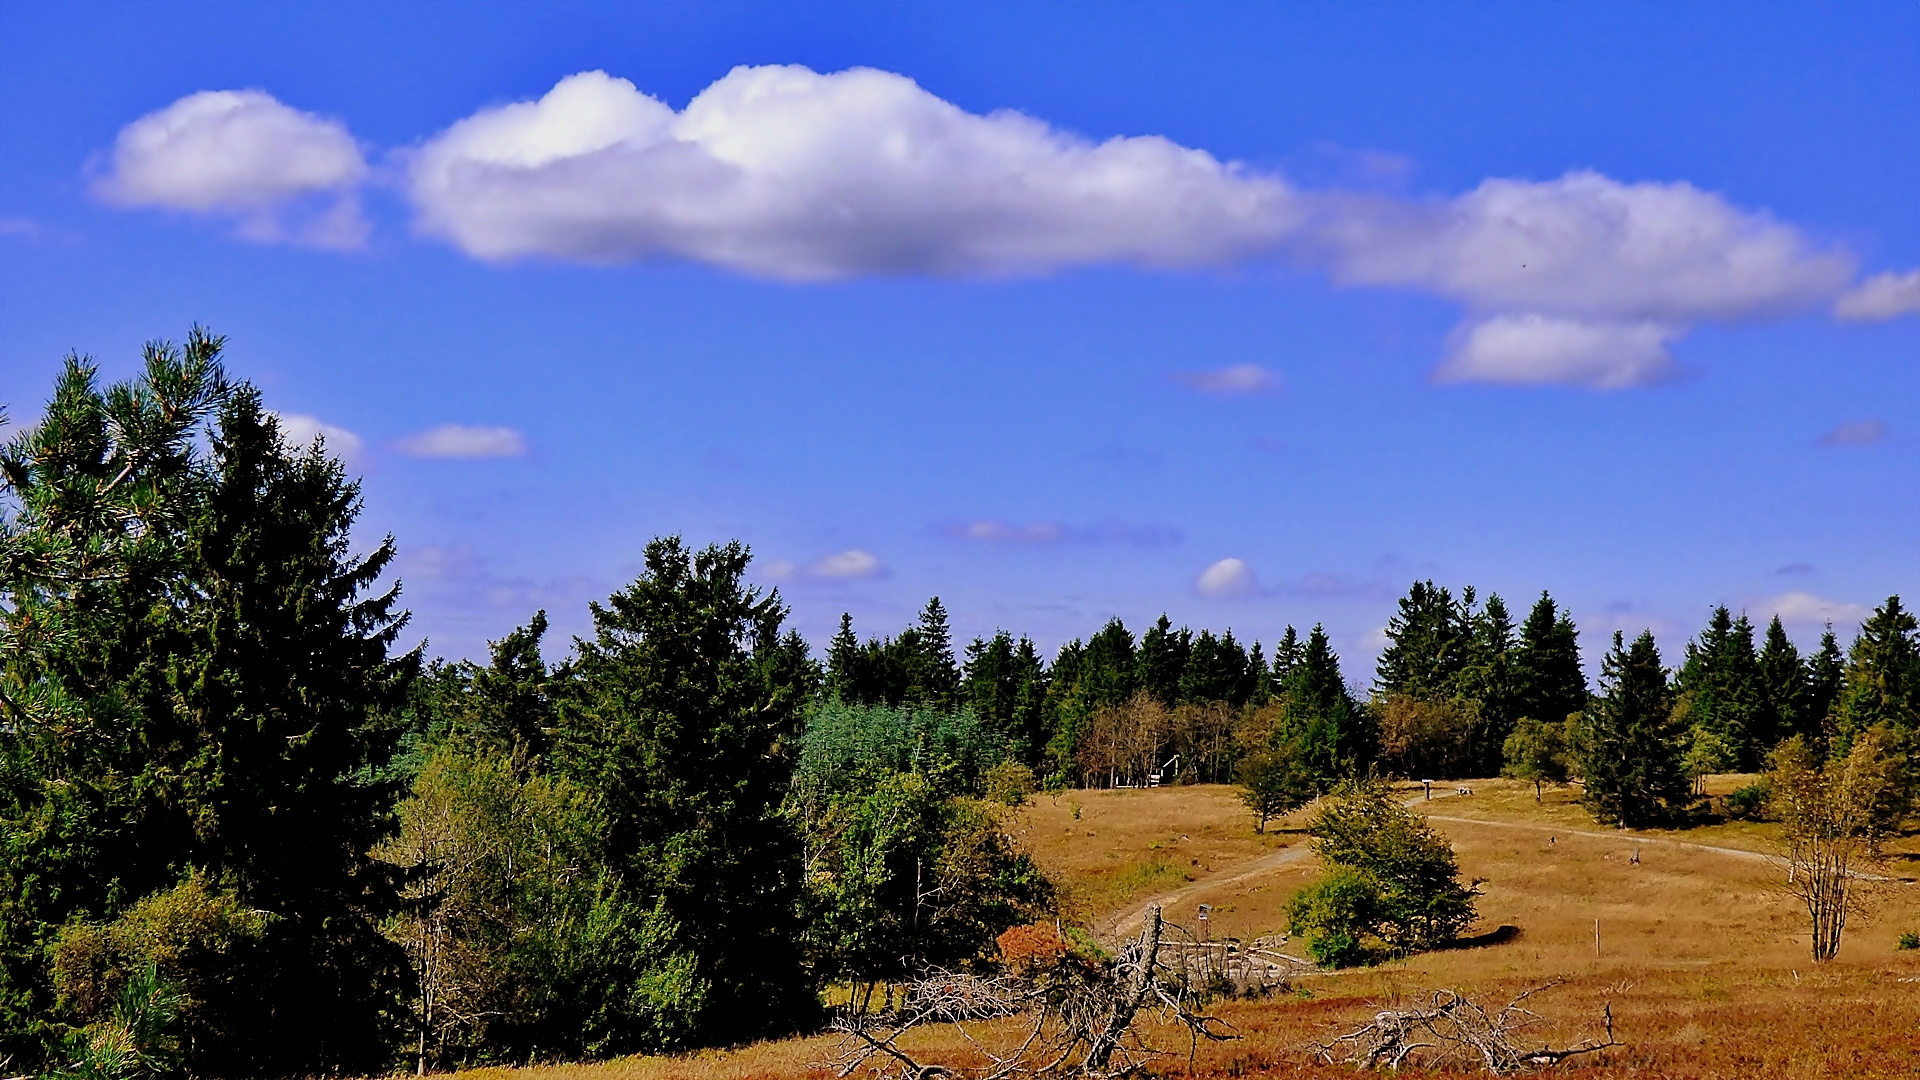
1452	1028
1075	1018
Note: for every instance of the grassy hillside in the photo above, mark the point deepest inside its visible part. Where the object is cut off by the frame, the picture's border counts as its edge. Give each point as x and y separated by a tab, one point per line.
1704	959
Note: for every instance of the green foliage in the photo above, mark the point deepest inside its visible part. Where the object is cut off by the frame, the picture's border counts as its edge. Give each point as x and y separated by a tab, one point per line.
1275	782
196	673
900	876
1550	682
846	747
136	1041
1720	688
1749	803
1400	882
1008	784
203	942
1628	744
1882	680
1336	915
1908	941
1537	751
682	714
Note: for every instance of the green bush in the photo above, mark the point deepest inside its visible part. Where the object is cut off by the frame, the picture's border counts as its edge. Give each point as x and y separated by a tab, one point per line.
1393	886
1908	940
1334	916
1749	803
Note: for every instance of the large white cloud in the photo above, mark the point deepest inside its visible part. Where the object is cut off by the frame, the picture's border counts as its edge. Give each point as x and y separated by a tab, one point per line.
1227	579
243	154
787	173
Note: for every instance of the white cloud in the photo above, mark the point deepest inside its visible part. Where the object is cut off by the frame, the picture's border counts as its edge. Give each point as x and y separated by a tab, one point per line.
1535	349
1804	607
994	531
851	564
299	432
459	441
1226	579
241	154
1584	246
782	172
1238	379
1883	296
1855	433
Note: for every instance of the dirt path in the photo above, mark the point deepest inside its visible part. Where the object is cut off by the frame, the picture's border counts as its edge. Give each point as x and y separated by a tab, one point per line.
1287	856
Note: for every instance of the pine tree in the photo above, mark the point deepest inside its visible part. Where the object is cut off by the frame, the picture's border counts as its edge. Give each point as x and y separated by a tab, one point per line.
1882	684
1319	717
932	677
1287	655
844	663
1826	678
1430	643
1550	683
1216	671
1163	658
1491	680
1629	745
1720	688
683	713
1783	689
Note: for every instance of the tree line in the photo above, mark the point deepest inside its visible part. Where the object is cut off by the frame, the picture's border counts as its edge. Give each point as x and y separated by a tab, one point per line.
246	834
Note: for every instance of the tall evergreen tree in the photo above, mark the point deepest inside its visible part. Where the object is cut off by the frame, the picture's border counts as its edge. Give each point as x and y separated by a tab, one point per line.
1163	658
1550	683
1216	671
683	712
932	676
1319	717
1491	680
197	679
1629	745
1783	689
1826	678
1430	643
1287	655
1720	688
1882	685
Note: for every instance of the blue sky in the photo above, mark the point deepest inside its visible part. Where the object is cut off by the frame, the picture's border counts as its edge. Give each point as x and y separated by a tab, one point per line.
1612	300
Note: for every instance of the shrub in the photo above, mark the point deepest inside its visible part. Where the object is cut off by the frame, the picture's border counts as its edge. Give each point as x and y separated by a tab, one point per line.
1395	879
1335	915
1749	803
1009	782
1908	940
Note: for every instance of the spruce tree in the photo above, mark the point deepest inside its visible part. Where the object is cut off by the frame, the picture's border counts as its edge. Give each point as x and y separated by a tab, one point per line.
682	713
1783	689
1826	678
932	676
1629	745
1216	671
1882	684
1491	680
844	663
1720	689
1430	643
1550	683
1163	658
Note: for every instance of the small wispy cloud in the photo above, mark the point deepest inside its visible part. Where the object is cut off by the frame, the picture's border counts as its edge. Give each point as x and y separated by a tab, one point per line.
1855	433
995	531
1804	607
300	431
1238	379
853	564
1227	579
461	441
1883	296
1795	569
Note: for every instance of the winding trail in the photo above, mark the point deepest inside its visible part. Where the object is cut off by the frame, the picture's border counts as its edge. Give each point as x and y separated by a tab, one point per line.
1266	864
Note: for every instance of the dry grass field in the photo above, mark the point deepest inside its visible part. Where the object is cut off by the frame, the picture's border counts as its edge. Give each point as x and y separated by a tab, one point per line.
1703	958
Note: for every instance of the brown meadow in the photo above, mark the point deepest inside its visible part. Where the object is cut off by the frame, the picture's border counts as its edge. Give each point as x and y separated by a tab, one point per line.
1704	958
